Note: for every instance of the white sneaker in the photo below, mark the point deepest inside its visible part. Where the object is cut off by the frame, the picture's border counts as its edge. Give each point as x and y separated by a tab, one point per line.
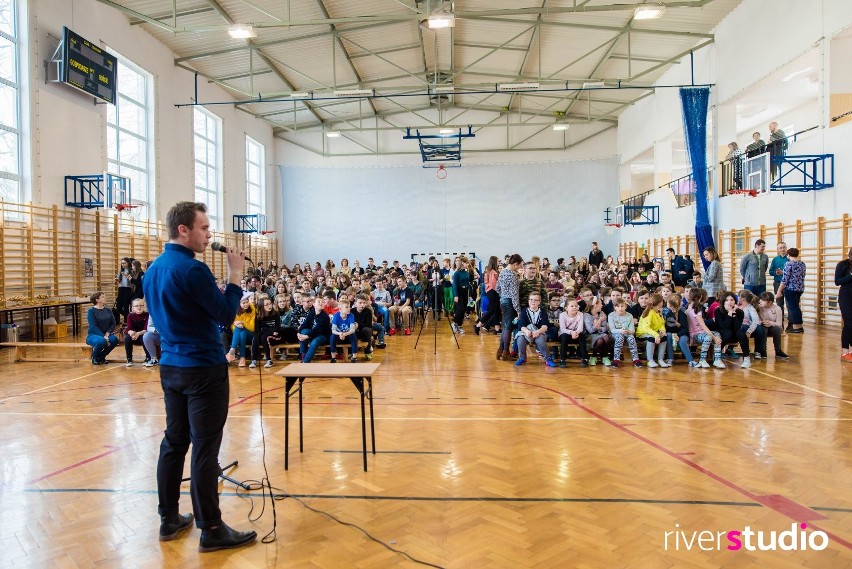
253	364
148	363
664	363
268	364
746	362
719	364
703	364
652	363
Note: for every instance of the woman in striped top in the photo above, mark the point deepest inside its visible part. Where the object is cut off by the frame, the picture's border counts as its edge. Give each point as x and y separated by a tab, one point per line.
508	287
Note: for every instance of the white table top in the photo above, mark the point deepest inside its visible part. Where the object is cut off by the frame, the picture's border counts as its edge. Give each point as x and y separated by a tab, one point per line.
328	370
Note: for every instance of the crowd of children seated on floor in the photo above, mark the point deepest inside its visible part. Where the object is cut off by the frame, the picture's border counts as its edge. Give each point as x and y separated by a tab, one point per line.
589	311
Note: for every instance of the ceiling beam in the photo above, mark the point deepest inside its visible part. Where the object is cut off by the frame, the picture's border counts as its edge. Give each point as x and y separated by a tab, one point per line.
339	43
270	43
171	16
384	51
221	11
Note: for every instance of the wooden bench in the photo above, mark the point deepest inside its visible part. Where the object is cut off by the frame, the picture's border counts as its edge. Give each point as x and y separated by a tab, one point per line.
84	351
286	347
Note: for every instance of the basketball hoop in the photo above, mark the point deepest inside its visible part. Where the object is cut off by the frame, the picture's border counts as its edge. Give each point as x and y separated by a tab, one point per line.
611	227
441	173
741	196
132	210
267	232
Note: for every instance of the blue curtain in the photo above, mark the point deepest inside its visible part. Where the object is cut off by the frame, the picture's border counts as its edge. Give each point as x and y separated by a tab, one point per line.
694	101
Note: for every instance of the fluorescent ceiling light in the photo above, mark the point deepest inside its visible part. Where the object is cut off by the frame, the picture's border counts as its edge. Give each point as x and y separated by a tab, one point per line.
447	131
333	134
517	86
300	95
650	12
593	84
241	31
441	20
444	88
560	126
354	93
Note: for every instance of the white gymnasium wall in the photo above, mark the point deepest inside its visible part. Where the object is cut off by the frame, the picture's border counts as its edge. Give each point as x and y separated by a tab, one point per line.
728	66
67	131
550	209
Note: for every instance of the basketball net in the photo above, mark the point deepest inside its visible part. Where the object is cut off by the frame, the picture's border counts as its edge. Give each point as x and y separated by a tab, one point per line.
742	196
611	227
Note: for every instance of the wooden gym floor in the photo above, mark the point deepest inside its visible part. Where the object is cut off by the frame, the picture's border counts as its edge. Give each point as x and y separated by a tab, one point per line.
480	464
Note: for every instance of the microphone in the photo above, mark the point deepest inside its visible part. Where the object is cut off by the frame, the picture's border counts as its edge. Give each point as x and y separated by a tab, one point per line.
216	246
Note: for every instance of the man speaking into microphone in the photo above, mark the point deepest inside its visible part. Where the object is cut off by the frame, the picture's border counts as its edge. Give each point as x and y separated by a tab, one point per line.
188	307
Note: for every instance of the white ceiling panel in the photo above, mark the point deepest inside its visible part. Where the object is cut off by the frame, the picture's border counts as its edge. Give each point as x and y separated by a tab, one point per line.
383	47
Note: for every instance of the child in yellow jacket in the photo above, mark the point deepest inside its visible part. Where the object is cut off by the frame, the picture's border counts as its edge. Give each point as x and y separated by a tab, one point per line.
652	328
243	330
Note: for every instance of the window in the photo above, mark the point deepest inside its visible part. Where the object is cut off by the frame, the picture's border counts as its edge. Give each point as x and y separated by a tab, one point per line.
130	134
11	162
255	184
208	163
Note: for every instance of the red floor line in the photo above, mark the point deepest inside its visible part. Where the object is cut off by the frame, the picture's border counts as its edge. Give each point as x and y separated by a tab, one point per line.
676	456
122	447
696	383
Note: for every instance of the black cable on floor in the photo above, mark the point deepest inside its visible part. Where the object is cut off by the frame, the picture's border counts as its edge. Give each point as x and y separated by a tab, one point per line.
264	485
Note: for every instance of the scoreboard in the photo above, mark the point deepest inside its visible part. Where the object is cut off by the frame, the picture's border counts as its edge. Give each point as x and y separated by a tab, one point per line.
88	67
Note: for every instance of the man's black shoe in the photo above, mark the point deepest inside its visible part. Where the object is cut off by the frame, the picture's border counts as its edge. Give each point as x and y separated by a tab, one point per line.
224	537
171	526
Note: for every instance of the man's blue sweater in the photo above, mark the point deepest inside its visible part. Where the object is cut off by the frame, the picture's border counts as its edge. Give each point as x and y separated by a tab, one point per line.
186	304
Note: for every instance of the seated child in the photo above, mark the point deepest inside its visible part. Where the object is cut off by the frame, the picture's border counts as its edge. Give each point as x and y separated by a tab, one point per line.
621	327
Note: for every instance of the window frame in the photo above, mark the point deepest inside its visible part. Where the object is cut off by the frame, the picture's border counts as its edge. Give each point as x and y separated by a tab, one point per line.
217	192
258	207
147	107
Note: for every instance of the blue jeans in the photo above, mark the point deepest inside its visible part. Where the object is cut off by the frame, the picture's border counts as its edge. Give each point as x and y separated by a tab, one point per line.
100	347
383	310
352	339
793	298
683	343
380	331
508	313
756	290
240	339
307	348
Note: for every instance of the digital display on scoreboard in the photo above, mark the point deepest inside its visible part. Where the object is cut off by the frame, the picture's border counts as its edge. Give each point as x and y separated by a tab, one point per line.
88	67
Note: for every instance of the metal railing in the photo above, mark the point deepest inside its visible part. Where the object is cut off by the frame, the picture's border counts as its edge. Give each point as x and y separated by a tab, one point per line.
732	173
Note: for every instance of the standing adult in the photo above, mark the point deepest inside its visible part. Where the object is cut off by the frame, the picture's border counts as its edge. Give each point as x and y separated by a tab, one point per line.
461	289
596	256
776	269
777	148
843	279
753	267
137	275
735	159
123	281
714	278
508	287
678	268
188	308
792	287
757	147
492	314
